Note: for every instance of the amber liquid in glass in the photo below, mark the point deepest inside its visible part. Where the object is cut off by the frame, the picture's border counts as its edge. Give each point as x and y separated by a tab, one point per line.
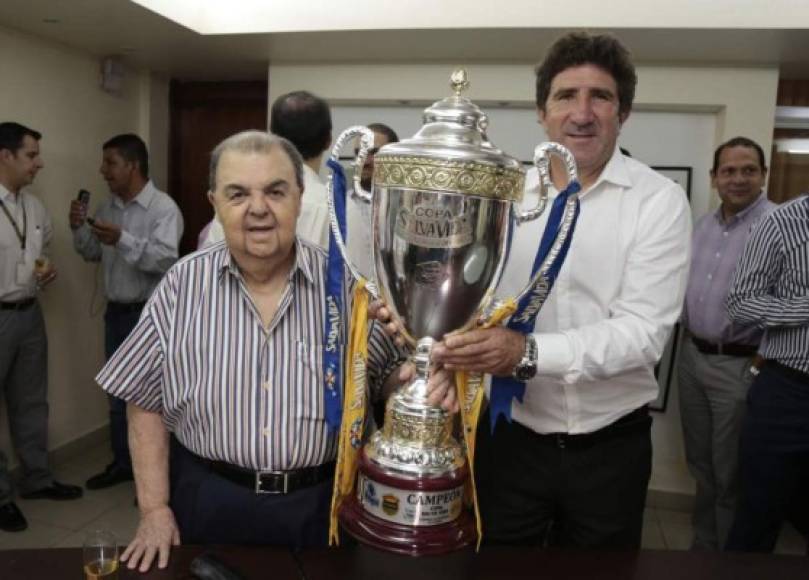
101	570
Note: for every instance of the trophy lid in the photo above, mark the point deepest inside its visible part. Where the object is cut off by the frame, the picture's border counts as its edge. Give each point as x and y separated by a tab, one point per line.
451	153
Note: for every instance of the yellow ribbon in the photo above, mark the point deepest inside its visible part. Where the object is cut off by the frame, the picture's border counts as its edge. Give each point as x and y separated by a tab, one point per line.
354	408
470	394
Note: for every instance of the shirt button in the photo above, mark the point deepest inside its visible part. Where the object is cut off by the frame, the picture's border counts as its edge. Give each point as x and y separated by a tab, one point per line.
718	255
266	431
710	276
265	385
724	234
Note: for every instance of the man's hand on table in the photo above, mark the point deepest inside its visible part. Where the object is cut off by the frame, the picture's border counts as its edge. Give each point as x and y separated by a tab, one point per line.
157	532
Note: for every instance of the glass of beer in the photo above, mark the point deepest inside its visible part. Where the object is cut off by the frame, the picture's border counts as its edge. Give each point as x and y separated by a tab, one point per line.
41	265
100	556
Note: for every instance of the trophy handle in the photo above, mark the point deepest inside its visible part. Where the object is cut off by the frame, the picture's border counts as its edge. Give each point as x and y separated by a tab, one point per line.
542	161
538	283
366	142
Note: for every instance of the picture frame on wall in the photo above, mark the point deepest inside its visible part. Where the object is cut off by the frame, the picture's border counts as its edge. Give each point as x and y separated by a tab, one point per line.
664	370
680	175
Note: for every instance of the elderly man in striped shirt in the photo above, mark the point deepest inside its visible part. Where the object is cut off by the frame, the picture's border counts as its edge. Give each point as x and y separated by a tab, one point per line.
771	290
227	358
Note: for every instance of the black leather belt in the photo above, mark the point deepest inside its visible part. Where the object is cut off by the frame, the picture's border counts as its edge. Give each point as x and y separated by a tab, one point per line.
728	349
788	371
274	482
637	419
21	305
126	307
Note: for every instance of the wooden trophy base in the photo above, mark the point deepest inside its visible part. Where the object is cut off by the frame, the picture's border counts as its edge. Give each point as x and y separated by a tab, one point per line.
406	538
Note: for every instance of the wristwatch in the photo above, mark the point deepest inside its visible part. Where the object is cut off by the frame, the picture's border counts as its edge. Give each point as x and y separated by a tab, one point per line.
526	369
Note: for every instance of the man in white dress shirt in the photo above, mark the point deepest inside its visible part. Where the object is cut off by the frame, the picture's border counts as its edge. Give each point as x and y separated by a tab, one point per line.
573	466
25	235
135	234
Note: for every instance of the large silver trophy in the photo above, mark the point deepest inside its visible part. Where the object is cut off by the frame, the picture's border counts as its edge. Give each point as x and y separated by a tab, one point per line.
444	205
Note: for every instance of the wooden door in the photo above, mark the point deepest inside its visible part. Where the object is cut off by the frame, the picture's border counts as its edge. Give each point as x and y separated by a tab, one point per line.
202	115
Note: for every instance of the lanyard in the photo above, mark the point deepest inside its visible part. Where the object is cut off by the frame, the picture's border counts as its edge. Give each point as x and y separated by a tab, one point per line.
21	235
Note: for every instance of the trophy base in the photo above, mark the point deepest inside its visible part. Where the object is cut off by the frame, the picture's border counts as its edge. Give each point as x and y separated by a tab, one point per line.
404	539
415	516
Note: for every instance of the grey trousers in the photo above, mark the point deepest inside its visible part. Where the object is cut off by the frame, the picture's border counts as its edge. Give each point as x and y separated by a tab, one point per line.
24	383
713	391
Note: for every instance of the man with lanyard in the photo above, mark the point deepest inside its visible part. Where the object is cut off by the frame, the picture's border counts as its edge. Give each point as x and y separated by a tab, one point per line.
25	233
716	353
771	291
576	458
135	234
229	357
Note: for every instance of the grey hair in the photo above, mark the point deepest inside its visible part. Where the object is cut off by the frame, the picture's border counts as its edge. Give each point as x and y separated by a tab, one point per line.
255	142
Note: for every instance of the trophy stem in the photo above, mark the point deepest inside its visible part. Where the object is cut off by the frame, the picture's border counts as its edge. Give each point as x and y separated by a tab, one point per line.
415	392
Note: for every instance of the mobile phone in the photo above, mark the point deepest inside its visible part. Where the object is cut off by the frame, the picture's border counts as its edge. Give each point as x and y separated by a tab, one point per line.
91	221
84	196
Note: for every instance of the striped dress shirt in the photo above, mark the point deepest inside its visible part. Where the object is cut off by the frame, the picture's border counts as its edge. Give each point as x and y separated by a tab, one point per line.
771	285
229	388
717	244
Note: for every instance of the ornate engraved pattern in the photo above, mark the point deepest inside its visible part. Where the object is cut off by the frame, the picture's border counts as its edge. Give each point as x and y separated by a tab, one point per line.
463	177
417	431
424	460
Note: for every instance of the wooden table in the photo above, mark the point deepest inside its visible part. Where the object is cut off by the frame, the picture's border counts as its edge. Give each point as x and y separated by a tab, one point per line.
362	563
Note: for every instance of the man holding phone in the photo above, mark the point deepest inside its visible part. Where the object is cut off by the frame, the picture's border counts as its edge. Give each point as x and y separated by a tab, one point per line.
135	234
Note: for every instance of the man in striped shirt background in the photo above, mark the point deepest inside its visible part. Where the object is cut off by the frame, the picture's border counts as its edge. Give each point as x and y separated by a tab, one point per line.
227	358
771	290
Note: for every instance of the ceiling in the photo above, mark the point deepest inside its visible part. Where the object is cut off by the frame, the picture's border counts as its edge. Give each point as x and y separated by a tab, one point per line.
145	39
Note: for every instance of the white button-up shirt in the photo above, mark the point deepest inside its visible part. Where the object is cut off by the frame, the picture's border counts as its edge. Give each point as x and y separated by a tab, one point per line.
38	236
617	297
151	227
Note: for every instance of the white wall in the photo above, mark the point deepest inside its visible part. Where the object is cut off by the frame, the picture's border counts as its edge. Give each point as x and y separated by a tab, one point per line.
54	90
681	114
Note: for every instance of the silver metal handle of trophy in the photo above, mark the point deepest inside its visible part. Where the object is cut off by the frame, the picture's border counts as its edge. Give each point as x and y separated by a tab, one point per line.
542	161
366	137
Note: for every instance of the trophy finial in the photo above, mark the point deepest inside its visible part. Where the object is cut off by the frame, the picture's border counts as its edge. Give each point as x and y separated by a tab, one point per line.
459	81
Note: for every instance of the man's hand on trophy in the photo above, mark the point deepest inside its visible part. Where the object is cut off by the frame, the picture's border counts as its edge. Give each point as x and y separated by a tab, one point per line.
495	351
381	313
440	387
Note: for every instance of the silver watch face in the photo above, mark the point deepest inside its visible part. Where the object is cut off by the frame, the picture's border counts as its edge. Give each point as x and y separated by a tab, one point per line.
525	371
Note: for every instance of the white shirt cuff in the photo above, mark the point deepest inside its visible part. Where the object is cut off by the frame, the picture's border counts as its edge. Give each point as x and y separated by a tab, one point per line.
126	242
555	354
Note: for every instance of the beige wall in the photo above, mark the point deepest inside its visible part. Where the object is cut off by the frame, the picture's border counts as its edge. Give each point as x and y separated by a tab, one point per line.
55	90
743	100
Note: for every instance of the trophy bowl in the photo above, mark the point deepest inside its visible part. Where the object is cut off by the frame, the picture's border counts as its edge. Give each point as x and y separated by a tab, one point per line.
444	206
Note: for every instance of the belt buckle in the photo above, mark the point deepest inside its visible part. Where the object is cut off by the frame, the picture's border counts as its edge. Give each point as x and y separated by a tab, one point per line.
260	490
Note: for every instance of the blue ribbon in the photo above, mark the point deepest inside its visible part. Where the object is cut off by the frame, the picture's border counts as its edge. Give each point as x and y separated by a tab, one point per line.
332	334
505	389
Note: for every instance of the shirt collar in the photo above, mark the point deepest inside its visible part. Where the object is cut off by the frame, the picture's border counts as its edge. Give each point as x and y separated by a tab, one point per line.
309	172
6	195
615	172
742	215
303	263
143	199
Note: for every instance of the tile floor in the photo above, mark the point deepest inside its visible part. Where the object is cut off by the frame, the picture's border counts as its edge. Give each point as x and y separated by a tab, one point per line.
64	524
